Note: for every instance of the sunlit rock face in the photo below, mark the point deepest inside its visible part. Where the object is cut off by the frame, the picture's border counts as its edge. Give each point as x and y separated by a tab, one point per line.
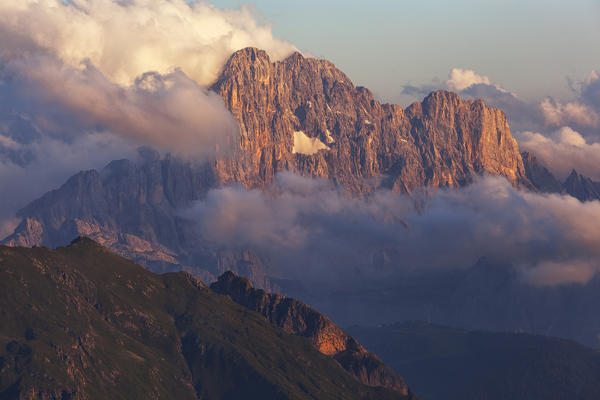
304	115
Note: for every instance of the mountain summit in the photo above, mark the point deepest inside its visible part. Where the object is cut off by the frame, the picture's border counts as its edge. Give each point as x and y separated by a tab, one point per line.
304	115
301	115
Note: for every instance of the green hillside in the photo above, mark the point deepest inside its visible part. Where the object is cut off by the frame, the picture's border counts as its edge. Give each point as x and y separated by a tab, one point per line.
82	323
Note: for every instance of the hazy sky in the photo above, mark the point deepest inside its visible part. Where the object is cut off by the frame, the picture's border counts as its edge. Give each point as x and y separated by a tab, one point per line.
529	47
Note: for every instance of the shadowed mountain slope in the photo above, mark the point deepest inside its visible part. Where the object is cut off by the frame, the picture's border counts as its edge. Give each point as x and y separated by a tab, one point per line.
80	322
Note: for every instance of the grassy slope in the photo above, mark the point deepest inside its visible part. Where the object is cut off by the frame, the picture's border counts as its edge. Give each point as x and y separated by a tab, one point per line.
81	322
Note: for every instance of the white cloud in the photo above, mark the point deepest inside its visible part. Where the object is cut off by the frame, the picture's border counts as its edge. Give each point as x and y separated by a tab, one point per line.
563	151
592	77
552	273
460	79
171	112
137	68
8	143
558	114
125	39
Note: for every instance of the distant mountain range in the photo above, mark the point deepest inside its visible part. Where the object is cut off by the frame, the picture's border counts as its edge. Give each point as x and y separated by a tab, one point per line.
475	365
305	116
80	322
301	115
486	296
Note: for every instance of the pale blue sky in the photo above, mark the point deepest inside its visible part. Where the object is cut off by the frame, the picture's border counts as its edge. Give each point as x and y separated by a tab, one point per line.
529	47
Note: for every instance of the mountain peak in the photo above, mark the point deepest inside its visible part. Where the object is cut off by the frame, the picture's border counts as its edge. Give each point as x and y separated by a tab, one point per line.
83	241
295	57
301	115
249	53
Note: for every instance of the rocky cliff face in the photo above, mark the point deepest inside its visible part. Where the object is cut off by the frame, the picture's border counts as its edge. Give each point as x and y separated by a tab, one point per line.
304	115
582	187
540	176
297	318
301	115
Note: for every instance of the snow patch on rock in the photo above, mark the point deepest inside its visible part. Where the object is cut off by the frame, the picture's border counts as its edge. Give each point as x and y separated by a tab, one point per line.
306	145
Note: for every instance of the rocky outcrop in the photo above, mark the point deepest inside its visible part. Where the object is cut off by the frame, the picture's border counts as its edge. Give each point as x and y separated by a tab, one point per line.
582	187
356	141
541	178
297	318
576	185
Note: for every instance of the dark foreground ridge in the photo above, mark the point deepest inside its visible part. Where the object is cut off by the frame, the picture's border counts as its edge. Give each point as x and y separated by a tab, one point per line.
80	322
297	318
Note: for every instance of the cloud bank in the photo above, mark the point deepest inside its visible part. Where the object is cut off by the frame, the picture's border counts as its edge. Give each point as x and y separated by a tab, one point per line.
315	233
570	113
171	112
125	39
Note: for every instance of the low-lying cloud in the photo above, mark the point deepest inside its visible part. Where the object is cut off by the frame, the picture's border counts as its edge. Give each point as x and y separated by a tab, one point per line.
315	233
